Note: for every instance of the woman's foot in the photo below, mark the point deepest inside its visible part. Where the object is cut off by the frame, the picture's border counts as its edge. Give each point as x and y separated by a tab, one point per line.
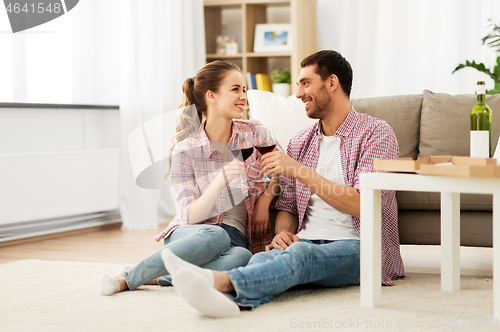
108	285
124	269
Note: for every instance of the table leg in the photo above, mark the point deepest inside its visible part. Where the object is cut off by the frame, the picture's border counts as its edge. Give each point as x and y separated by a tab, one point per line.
371	248
450	241
496	255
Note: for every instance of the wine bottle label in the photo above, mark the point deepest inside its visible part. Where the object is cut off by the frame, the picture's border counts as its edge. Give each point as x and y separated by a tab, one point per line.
480	143
481	89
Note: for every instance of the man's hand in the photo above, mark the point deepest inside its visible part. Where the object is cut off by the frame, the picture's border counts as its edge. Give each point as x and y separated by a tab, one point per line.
282	240
279	163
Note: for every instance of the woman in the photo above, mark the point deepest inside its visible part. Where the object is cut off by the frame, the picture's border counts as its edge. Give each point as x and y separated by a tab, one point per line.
218	218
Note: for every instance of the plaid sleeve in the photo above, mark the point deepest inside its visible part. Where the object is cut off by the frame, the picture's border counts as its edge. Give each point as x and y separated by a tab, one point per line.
381	144
182	175
288	200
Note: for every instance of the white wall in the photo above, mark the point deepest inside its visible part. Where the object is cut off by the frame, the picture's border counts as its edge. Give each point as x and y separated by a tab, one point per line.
30	130
404	46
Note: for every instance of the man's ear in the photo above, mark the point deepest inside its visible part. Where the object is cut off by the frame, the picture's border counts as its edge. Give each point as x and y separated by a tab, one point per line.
333	82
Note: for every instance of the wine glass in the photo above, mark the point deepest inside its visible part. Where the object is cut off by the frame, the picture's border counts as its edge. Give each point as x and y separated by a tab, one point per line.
266	143
242	149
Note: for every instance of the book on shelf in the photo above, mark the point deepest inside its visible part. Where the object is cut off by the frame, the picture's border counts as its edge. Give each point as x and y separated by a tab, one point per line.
258	82
251	81
263	82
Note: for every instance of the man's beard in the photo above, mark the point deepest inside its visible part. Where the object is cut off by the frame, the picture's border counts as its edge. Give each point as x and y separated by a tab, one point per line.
321	102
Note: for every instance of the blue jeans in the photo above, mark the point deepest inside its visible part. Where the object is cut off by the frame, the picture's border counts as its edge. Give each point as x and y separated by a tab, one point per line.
208	246
320	262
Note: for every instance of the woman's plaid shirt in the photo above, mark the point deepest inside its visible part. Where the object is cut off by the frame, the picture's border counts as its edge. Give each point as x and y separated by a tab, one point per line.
196	163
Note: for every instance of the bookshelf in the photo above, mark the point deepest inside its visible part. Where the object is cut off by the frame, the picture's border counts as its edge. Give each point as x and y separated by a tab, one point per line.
238	18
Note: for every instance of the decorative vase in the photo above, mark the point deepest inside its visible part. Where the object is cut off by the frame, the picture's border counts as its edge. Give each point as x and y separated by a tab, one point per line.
282	89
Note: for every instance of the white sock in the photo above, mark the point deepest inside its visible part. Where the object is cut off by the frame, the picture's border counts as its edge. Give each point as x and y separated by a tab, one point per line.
174	264
109	285
199	294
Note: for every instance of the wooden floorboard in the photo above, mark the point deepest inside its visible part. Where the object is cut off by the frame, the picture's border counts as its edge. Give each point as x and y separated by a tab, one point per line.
108	245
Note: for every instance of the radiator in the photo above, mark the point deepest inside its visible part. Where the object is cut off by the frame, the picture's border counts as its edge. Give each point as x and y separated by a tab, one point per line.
57	188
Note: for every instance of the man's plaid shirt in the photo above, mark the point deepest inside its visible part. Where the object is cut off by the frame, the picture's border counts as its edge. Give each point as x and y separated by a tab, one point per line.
363	139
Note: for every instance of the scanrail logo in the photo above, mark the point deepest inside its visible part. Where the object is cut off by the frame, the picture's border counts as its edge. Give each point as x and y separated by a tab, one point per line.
26	14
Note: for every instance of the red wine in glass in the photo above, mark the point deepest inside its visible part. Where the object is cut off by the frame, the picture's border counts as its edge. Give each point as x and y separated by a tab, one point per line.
246	153
265	149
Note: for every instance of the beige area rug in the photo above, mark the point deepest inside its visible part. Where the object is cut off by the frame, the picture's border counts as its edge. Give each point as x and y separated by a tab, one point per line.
37	295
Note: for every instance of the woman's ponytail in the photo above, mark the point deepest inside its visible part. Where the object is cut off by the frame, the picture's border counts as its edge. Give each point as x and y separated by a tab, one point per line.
188	90
189	119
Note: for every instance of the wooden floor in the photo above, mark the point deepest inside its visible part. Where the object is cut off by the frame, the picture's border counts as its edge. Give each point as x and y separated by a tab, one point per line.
108	245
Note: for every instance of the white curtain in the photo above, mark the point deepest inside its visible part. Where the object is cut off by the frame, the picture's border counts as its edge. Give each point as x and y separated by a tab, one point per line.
162	44
405	46
95	31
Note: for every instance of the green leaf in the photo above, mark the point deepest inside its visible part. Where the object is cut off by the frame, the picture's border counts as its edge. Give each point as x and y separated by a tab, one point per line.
479	67
495	35
281	75
493	41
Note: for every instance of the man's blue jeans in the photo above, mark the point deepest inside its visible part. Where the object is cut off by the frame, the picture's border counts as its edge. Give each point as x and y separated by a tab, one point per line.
321	262
211	247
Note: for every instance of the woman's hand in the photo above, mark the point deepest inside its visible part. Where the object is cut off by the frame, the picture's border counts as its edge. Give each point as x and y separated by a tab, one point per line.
232	170
260	219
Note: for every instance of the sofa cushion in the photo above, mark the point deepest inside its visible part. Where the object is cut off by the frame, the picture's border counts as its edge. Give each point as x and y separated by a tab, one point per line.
412	200
444	130
445	123
286	115
402	113
424	227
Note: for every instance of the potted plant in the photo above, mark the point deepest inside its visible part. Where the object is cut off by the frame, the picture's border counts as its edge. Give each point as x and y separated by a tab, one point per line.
282	80
493	40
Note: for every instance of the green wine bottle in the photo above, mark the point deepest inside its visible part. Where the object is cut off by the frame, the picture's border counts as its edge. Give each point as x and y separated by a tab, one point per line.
480	125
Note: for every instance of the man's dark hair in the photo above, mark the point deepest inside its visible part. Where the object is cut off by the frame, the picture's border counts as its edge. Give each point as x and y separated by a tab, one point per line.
330	62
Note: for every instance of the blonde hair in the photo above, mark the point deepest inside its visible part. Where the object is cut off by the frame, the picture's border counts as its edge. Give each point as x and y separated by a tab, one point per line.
194	106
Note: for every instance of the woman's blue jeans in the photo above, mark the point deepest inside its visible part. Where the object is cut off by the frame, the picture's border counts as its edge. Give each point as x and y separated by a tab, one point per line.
209	246
321	262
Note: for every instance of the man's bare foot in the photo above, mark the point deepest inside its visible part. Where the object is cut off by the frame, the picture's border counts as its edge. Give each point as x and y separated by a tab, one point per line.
222	282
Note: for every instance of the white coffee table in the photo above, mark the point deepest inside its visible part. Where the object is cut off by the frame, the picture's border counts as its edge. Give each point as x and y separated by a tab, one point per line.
450	188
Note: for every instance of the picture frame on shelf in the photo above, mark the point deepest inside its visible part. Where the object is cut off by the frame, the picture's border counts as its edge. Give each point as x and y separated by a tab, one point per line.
273	38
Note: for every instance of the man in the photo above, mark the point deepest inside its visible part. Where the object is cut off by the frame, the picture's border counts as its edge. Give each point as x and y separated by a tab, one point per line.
318	224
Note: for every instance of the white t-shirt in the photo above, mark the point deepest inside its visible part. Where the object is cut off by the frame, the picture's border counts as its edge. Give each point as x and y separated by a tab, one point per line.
323	222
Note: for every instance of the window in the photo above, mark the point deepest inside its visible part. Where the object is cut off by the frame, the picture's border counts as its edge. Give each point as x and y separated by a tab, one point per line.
74	58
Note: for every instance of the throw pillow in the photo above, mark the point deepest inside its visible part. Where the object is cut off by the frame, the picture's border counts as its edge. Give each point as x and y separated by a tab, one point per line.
445	123
286	115
402	113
